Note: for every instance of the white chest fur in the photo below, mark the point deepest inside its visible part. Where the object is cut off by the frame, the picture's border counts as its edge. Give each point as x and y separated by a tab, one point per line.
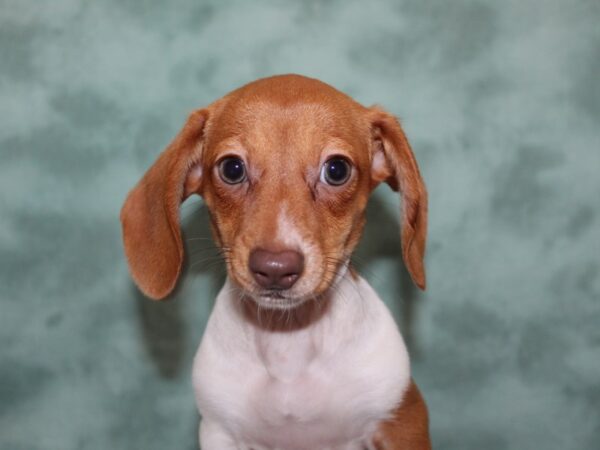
322	385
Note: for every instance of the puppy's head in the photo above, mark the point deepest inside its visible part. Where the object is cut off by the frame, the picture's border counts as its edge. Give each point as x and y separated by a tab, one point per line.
285	165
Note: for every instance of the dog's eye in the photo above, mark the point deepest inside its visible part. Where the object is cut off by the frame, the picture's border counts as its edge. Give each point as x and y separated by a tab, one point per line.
232	170
336	171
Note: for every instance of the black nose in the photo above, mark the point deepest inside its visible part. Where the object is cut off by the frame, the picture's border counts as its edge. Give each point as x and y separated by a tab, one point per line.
276	270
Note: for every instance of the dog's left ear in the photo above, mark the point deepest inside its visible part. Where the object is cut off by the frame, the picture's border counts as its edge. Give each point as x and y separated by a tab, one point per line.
393	162
150	215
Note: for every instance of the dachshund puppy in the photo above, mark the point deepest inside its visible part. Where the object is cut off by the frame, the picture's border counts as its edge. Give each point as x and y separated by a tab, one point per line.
299	352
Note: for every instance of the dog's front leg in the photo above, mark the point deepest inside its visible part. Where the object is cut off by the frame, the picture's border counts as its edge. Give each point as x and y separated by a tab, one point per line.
408	429
214	437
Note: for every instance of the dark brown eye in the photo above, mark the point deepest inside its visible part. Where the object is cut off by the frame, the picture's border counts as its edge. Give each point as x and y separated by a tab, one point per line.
336	171
232	170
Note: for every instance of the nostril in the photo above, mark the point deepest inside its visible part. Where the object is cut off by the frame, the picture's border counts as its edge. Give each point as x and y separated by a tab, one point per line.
289	277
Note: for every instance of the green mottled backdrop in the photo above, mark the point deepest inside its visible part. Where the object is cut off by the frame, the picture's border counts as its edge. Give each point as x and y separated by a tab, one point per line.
501	101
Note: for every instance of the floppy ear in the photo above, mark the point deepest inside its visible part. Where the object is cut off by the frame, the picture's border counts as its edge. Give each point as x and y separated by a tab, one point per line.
150	215
394	163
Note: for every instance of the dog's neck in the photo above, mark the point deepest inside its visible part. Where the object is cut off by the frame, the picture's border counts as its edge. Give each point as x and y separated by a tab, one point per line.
287	341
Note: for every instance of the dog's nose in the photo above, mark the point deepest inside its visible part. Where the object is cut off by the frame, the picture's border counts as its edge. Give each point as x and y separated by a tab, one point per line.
276	270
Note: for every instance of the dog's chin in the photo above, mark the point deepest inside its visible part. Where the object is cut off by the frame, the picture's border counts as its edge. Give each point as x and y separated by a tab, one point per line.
280	300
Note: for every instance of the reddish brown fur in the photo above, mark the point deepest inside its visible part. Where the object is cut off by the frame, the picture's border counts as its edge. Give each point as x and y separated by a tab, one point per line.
408	429
283	126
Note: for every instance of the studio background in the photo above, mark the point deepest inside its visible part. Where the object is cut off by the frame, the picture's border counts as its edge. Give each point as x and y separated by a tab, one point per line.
501	102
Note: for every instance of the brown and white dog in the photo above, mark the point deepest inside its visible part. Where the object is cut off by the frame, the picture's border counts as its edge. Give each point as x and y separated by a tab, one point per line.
299	352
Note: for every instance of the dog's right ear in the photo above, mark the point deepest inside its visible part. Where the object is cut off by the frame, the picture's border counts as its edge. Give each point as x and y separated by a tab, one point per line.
150	215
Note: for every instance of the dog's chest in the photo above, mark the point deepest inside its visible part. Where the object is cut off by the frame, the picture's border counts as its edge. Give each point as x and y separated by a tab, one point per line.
297	383
296	396
321	387
309	409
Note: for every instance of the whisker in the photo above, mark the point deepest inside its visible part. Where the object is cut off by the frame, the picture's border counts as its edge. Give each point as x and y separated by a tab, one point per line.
215	252
220	250
208	264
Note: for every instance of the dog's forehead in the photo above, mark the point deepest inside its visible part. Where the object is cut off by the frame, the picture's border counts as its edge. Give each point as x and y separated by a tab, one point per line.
289	90
288	109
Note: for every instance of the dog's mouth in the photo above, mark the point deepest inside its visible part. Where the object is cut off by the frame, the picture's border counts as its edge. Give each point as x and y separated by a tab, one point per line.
286	299
275	295
278	299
